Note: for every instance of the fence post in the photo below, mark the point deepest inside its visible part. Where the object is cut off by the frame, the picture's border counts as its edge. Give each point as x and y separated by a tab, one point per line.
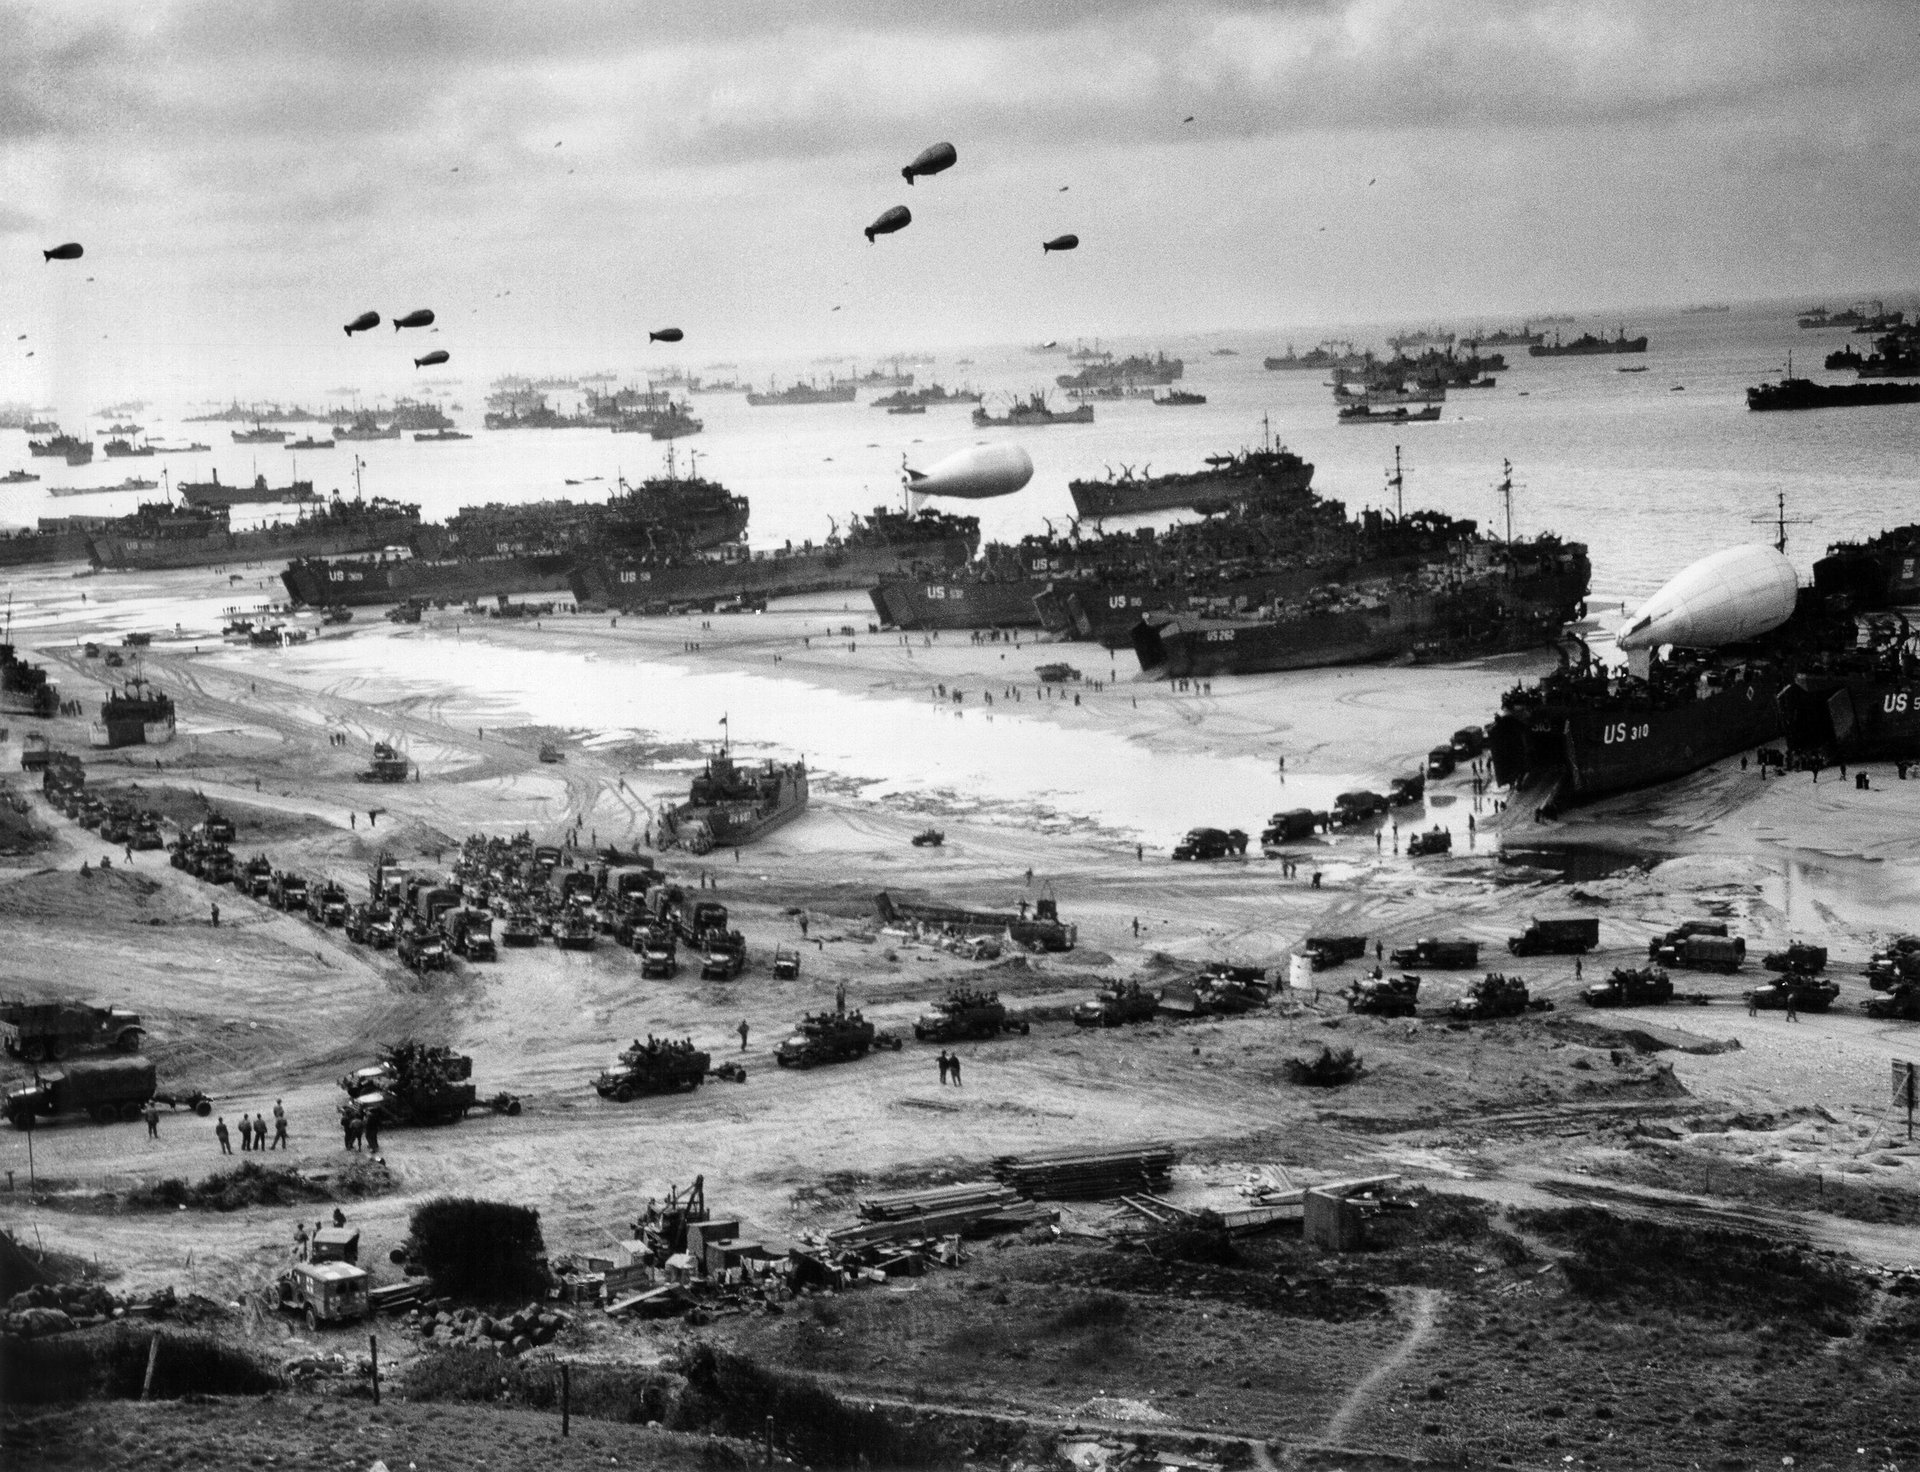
373	1345
769	1441
153	1358
566	1399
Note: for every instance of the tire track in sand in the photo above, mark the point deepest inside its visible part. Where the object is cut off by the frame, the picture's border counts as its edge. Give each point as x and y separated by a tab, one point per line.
1426	1302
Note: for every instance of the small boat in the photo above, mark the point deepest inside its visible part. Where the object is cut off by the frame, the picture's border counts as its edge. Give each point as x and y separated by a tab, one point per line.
137	715
1180	397
908	409
310	443
1637	368
259	435
1399	414
440	434
17	478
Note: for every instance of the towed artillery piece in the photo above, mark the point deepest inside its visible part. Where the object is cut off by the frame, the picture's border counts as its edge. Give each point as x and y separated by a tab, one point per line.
1116	1005
1210	843
658	1066
1648	986
105	1088
1804	993
967	1013
414	1083
831	1037
1384	996
1495	995
43	1032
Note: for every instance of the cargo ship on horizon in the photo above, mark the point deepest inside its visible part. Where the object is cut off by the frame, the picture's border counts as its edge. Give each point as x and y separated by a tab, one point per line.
1587	345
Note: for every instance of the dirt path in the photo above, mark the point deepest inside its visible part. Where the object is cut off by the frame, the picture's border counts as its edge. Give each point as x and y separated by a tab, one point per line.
1426	1302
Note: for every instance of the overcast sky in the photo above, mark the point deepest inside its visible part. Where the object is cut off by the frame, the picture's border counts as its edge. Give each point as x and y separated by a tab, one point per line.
247	175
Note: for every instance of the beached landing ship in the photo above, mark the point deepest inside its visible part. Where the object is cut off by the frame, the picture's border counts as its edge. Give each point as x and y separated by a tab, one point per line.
730	805
158	536
1248	478
137	715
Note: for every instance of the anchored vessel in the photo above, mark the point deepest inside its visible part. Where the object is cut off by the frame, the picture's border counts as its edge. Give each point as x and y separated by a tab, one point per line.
1587	345
731	805
1249	478
805	393
213	493
159	536
1030	413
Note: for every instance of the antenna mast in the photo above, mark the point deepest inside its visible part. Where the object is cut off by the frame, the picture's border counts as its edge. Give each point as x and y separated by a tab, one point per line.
1396	480
1505	491
1781	521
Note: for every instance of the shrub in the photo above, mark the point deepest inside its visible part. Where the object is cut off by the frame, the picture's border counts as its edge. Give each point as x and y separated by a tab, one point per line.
247	1184
479	1249
1199	1242
1095	1311
1333	1067
112	1362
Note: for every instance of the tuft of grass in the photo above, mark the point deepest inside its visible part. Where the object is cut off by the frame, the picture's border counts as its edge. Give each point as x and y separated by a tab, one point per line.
1329	1069
1094	1311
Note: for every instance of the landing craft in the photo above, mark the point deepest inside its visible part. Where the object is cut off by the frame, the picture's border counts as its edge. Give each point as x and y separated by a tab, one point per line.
894	219
365	322
438	355
931	161
421	318
666	334
71	251
1061	242
1735	594
973	474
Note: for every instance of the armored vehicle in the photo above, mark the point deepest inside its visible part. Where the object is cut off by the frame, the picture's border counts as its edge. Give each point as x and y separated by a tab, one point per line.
829	1037
1900	1003
1494	995
1807	993
414	1083
786	963
1648	986
1570	935
256	878
421	949
44	1031
928	838
1327	951
371	925
1435	840
1384	996
966	1013
519	928
1438	955
470	934
219	827
1210	843
287	891
658	1066
327	905
105	1088
1116	1005
388	765
1798	957
657	956
1222	990
1897	961
324	1293
572	930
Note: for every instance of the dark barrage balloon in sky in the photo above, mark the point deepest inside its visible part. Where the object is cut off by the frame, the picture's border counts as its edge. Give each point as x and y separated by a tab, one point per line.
666	334
931	161
894	219
438	355
1061	242
71	251
363	322
421	318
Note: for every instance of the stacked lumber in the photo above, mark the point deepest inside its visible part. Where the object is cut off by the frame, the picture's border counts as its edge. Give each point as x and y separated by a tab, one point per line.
995	1208
1117	1170
935	1199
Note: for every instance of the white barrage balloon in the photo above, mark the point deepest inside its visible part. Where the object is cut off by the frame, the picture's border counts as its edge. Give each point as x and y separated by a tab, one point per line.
1736	594
975	473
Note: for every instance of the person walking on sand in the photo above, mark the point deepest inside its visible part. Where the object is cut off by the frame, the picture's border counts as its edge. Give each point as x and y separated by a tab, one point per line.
216	916
953	1067
279	1126
1793	1009
220	1134
246	1132
944	1062
151	1115
742	1030
259	1130
371	1125
349	1132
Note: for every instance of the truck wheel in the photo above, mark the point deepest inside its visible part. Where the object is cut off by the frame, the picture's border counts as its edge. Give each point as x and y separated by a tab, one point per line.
203	1107
102	1113
513	1109
129	1041
33	1050
313	1320
129	1112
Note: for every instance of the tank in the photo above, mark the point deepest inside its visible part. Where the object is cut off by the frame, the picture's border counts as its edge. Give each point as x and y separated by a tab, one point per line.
1901	1003
1647	986
1733	595
657	1066
1226	990
1494	995
1385	996
1806	993
966	1013
1116	1005
1798	957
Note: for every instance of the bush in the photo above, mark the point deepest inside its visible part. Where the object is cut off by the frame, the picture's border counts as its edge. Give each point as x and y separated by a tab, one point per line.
1200	1242
1334	1066
1095	1311
247	1184
479	1249
112	1363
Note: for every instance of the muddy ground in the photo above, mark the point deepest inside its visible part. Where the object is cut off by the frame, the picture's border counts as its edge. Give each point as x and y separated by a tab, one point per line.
1735	1111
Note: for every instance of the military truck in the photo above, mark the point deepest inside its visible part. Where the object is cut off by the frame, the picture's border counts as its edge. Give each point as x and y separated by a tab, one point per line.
1494	995
256	878
1556	935
967	1013
1116	1005
1438	955
830	1037
1441	762
470	934
371	925
658	959
44	1031
1385	996
786	963
287	891
1291	826
1403	792
105	1088
1210	843
1469	742
1799	957
420	949
327	905
1648	986
695	920
1357	807
1435	840
1900	1003
723	955
415	1083
659	1066
324	1293
1700	953
1328	951
1807	993
218	827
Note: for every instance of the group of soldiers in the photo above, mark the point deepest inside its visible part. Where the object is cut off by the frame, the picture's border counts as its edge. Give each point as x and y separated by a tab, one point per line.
357	1121
253	1132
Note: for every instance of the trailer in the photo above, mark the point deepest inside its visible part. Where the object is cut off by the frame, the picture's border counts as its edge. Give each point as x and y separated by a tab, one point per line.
104	1088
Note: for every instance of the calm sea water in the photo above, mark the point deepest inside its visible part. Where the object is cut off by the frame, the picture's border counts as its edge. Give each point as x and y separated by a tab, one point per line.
1650	469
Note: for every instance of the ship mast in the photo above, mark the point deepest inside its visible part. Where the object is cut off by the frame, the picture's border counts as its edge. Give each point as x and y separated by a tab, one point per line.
1505	491
1396	481
1781	521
